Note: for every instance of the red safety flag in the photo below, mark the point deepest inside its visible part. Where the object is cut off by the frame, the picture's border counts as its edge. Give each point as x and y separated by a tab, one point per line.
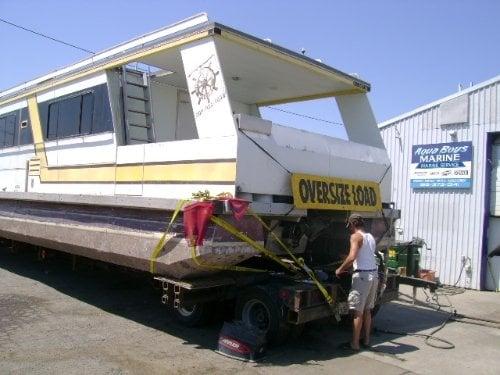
196	217
239	207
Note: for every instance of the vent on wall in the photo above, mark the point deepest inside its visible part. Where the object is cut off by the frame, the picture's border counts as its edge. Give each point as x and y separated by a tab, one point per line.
454	111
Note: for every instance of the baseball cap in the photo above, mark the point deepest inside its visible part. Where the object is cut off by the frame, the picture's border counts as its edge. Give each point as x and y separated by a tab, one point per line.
354	218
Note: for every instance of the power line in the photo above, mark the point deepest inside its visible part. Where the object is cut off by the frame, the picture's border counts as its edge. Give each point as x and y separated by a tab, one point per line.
46	36
306	116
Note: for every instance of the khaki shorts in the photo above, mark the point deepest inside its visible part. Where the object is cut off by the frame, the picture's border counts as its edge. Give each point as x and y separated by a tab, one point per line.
363	291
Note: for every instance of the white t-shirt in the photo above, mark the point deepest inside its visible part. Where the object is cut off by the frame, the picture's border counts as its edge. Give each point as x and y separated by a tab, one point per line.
366	255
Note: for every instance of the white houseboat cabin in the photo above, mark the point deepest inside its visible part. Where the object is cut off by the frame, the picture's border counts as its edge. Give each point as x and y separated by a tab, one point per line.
93	155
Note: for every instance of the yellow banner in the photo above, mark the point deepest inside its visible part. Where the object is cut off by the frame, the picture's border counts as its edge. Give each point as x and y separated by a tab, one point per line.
326	193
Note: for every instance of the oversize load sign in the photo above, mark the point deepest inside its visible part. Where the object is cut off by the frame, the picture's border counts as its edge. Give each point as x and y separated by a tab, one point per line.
441	165
325	193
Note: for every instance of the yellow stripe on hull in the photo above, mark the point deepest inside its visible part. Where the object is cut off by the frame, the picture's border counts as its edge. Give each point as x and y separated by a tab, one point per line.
224	172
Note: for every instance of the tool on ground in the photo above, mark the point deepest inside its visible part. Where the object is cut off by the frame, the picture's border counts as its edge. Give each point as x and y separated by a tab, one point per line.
239	341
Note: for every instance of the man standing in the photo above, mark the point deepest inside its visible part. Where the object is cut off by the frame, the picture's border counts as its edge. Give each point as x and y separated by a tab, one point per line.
364	280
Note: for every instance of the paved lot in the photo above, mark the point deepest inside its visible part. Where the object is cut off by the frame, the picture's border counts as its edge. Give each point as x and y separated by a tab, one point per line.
54	320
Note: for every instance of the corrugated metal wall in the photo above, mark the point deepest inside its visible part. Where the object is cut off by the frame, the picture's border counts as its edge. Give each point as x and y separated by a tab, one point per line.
450	220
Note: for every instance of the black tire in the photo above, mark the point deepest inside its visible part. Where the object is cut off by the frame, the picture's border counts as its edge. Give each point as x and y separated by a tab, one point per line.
257	309
193	316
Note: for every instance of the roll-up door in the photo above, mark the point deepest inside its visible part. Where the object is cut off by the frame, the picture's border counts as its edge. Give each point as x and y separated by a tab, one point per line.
493	268
495	179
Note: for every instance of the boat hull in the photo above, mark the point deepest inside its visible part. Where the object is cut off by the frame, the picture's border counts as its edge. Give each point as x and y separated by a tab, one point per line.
124	236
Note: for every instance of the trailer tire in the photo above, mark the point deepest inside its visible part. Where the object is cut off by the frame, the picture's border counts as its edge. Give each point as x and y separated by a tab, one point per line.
257	309
193	316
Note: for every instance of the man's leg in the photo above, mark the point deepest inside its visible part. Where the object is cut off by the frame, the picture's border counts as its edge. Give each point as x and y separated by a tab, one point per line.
357	324
367	326
367	314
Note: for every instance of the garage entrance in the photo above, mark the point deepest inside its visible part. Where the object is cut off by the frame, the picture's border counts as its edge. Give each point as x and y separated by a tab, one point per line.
493	265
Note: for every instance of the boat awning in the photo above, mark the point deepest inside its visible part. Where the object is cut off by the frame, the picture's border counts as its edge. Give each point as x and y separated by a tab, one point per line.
259	72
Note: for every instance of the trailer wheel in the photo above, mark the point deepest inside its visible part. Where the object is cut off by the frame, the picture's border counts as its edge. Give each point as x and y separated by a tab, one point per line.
257	309
194	315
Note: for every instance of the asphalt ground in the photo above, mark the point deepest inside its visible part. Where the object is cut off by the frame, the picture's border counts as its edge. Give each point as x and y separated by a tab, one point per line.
94	320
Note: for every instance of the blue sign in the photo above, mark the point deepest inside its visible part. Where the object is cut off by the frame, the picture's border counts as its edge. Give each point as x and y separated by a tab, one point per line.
441	165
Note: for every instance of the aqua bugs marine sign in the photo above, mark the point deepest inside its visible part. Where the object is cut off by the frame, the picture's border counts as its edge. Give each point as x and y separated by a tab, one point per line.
441	165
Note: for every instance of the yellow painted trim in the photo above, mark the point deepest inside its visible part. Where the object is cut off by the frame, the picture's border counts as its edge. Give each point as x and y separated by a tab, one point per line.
182	172
310	97
36	129
217	171
52	83
283	56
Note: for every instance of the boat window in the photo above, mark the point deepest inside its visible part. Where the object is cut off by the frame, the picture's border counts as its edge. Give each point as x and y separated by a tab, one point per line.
102	121
82	113
68	120
8	130
53	116
86	115
2	132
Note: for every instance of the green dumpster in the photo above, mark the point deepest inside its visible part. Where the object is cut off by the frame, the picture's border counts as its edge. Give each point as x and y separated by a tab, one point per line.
405	255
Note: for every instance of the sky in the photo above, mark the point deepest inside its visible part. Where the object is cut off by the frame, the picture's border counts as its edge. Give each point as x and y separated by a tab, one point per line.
412	52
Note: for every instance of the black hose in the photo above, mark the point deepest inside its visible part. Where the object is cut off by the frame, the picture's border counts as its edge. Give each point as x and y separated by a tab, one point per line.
434	303
429	337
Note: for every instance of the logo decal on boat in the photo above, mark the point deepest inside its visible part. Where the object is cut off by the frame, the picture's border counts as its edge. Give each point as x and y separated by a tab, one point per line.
207	86
205	80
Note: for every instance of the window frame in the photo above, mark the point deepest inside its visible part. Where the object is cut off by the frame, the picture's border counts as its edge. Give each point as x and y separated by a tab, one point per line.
3	129
61	99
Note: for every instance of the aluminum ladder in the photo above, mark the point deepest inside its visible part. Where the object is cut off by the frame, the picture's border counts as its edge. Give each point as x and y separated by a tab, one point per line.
136	98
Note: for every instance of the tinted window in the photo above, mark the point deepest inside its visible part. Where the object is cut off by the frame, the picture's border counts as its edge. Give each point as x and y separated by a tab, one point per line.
11	130
8	130
68	120
2	132
87	113
52	121
102	111
25	135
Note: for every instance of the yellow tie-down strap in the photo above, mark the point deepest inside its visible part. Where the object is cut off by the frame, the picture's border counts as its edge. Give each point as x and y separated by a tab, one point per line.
261	249
293	267
163	240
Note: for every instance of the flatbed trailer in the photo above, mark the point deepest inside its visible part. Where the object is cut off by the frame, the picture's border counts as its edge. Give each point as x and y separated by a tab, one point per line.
274	302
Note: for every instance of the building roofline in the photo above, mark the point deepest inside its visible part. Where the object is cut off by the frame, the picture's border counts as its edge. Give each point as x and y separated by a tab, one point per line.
425	107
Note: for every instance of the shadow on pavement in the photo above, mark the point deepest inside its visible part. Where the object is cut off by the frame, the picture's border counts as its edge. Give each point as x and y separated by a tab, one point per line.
132	296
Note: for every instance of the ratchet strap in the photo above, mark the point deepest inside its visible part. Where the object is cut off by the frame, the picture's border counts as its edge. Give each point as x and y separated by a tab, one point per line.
299	261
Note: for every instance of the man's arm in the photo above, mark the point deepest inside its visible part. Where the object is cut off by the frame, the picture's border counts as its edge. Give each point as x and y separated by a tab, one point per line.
356	243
